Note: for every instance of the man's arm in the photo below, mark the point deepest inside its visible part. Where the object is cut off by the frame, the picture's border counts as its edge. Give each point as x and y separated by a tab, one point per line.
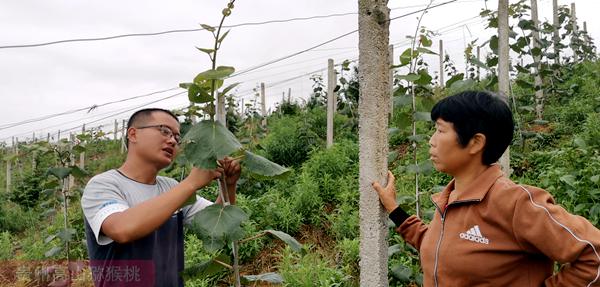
140	220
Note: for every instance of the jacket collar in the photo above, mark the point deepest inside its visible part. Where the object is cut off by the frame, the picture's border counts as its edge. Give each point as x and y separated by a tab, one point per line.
476	191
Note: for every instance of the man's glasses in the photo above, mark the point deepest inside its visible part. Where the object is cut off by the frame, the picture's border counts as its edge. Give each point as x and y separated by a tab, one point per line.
165	131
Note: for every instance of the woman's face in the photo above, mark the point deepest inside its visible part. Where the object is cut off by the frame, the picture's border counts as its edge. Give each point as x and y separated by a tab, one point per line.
446	154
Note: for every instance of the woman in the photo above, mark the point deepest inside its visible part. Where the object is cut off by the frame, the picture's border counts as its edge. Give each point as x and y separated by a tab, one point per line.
487	230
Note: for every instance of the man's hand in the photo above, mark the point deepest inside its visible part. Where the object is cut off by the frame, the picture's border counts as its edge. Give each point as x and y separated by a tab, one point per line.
200	178
387	194
232	170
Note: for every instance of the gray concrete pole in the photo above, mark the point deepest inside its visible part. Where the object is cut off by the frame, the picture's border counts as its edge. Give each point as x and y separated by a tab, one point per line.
391	73
331	80
263	104
573	17
116	130
584	26
373	34
503	67
82	154
556	24
539	94
8	175
441	63
123	136
289	95
478	59
72	159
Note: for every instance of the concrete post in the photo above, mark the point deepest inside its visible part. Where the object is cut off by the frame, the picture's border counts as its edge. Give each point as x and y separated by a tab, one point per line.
82	154
331	80
556	24
391	79
263	104
441	63
539	93
373	24
503	67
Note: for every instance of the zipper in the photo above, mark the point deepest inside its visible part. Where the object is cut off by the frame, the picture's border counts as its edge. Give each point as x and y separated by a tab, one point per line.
439	243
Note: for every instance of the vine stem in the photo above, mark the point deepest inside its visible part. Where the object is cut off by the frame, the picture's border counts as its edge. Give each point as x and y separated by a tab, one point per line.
225	197
414	108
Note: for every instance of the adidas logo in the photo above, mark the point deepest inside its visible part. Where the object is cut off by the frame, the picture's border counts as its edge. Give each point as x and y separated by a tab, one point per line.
474	234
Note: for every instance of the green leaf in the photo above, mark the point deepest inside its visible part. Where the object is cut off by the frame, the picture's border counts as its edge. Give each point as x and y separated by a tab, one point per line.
219	73
595	179
426	42
66	234
394	249
403	100
422	50
422	116
269	277
424	78
405	57
53	252
223	36
208	141
423	168
79	149
568	179
50	238
409	77
478	63
291	241
463	85
77	172
526	24
207	51
208	27
216	222
59	172
199	95
457	77
262	166
206	268
185	85
228	88
417	138
402	273
524	84
494	44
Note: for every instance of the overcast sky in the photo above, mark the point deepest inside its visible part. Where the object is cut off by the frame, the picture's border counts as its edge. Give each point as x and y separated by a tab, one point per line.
40	81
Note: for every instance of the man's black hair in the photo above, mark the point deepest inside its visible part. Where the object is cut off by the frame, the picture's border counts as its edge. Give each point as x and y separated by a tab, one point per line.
482	112
142	116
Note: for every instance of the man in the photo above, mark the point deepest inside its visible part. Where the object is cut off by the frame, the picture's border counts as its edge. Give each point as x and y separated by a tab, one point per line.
487	230
134	218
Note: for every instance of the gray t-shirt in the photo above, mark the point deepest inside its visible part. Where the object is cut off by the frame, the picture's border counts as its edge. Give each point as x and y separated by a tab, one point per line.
154	260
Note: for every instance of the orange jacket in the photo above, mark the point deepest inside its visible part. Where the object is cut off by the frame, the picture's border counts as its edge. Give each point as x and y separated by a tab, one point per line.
498	233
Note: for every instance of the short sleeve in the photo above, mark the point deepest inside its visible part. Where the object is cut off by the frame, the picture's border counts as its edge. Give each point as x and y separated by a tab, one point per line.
101	198
191	210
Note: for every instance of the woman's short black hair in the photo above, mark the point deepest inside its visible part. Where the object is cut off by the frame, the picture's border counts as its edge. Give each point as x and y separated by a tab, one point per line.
473	112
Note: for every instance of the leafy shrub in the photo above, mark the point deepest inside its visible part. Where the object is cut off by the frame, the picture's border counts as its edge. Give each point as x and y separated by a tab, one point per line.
15	218
290	141
27	189
344	222
309	270
6	249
